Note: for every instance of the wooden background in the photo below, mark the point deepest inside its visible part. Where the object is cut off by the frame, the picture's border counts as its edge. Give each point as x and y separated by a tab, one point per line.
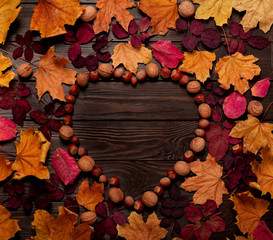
135	133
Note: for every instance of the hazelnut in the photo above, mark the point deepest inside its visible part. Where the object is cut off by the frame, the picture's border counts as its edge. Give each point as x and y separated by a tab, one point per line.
82	151
158	189
88	217
24	70
165	73
103	178
82	79
204	110
199	132
116	194
89	13
197	144
152	70
255	108
188	155
129	201
203	123
184	80
165	182
186	9
141	75
138	205
182	168
118	72
105	70
66	132
193	87
86	163
149	198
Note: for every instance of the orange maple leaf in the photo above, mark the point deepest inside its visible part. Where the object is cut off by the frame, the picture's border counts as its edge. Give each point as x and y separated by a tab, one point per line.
163	14
89	197
112	8
249	210
62	228
137	229
31	155
6	77
51	74
208	183
50	16
8	227
5	168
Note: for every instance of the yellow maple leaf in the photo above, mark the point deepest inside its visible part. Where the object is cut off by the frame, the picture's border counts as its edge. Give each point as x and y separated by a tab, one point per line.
8	13
6	77
5	168
50	16
208	183
129	56
31	155
89	197
249	210
112	8
220	10
255	134
257	11
163	14
51	74
264	171
8	227
137	229
198	62
62	228
236	70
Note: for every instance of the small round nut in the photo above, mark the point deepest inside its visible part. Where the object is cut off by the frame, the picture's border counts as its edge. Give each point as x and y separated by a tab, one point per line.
199	132
129	201
193	86
89	13
88	217
86	163
66	132
204	110
105	70
82	79
186	9
152	70
255	108
24	70
116	194
182	168
149	198
197	144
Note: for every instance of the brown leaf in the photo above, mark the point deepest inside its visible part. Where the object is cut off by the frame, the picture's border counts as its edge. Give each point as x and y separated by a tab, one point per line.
8	227
208	183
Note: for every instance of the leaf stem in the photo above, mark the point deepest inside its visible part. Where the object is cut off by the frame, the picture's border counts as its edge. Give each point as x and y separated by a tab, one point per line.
226	40
270	104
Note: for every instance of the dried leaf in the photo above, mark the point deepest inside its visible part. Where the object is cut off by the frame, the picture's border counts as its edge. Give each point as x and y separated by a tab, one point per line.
8	13
260	88
51	74
220	10
249	210
189	42
6	77
234	105
89	197
112	8
198	62
261	232
137	229
163	14
257	11
236	70
31	155
129	56
5	168
211	38
8	129
208	183
255	134
50	16
8	227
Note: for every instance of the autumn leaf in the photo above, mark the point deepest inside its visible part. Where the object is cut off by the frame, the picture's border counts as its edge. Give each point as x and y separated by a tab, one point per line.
112	8
220	10
8	13
6	77
163	14
208	183
47	227
5	168
129	56
198	62
257	11
249	210
50	16
137	229
8	227
51	74
89	197
264	171
255	134
8	129
236	70
31	155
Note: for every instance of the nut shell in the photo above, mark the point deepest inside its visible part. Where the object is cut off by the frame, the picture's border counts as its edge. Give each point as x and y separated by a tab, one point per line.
182	168
88	217
89	13
186	9
197	144
116	194
149	198
105	70
66	132
255	108
152	70
204	110
82	79
193	87
24	70
86	163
